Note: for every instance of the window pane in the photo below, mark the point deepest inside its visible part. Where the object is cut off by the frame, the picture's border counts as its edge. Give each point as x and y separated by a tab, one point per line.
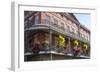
47	19
68	28
36	19
62	26
55	22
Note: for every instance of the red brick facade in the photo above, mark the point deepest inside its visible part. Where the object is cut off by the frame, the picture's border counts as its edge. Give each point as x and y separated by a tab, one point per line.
67	26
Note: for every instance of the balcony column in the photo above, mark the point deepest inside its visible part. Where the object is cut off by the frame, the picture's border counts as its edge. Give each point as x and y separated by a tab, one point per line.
80	45
50	43
79	30
50	38
69	44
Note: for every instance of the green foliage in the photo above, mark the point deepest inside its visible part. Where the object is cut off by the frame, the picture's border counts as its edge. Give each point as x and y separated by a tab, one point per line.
61	41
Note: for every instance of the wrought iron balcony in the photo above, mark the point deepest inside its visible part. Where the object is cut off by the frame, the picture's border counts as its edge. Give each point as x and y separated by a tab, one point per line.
55	27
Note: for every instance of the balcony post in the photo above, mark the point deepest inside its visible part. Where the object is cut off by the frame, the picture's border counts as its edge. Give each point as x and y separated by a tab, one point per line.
69	44
81	46
79	30
50	43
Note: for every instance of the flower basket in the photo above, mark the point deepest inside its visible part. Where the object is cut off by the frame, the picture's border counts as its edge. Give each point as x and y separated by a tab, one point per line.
45	45
76	43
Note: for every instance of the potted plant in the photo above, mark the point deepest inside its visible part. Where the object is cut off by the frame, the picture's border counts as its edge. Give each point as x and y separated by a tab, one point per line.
61	43
75	48
75	43
85	48
45	45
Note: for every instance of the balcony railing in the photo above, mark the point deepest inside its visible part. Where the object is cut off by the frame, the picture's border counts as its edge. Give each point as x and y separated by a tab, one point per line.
56	28
55	25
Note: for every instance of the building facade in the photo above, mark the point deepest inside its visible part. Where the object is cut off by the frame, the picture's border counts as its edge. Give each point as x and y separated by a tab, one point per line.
47	27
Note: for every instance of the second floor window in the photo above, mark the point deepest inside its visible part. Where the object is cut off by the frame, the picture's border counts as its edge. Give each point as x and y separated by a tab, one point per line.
62	26
73	31
55	23
80	34
37	19
68	28
47	19
76	32
88	38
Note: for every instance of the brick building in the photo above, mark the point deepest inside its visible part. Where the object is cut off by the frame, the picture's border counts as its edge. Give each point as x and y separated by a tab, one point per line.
40	27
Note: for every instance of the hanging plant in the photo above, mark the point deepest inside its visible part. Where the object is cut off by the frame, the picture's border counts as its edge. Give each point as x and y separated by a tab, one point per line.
85	46
76	43
61	41
45	44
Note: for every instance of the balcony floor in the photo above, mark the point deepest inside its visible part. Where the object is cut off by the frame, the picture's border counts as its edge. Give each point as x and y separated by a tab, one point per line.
50	56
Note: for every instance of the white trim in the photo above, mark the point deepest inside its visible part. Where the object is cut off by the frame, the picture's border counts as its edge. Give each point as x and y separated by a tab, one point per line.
18	34
14	34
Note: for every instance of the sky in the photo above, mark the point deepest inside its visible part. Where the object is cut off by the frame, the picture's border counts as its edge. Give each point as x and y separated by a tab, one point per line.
84	19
